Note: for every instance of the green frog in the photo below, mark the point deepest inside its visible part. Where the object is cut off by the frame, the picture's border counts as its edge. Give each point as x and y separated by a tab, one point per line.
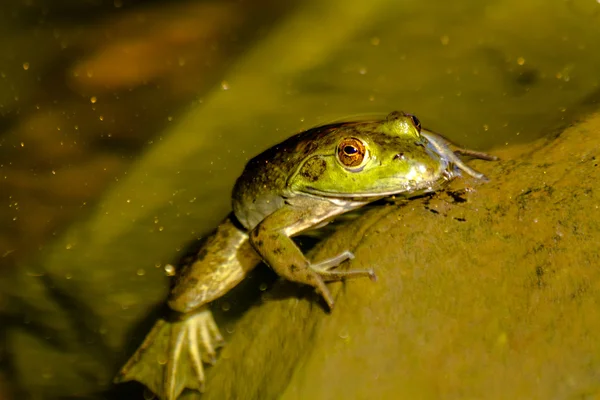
297	185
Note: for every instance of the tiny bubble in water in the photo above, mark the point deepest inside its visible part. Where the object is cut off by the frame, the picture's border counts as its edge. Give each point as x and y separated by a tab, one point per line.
169	270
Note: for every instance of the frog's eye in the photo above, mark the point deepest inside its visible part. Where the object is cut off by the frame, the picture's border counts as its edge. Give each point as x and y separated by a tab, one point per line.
415	122
351	152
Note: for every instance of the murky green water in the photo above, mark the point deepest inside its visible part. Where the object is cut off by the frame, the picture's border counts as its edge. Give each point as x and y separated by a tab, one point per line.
124	124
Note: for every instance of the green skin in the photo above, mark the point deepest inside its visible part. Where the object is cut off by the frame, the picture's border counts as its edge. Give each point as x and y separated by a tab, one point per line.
297	185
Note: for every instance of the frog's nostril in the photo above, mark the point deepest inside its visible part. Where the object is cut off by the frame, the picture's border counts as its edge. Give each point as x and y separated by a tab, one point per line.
399	156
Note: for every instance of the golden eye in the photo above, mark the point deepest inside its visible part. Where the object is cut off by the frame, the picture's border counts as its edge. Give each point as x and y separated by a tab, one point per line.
351	152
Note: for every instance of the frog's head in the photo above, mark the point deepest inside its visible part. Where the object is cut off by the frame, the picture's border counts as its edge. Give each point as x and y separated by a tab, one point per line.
370	159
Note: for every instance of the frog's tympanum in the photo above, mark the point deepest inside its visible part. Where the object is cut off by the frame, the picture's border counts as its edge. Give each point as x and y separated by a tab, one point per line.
297	185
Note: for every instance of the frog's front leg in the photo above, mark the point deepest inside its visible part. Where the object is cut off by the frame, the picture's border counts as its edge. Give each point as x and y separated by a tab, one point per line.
443	147
271	240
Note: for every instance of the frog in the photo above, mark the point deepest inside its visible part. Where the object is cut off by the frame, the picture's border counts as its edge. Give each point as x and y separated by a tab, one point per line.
300	184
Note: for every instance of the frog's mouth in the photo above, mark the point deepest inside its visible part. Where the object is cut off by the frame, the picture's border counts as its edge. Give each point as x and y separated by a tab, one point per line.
409	189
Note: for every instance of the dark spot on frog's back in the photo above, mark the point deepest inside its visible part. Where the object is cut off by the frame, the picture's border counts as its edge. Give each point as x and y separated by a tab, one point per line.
313	169
306	147
202	254
184	285
258	230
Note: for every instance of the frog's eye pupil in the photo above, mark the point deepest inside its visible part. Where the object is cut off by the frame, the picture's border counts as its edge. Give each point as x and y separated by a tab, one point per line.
351	153
416	122
350	150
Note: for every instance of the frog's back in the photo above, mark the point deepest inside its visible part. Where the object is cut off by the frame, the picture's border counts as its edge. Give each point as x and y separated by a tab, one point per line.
262	187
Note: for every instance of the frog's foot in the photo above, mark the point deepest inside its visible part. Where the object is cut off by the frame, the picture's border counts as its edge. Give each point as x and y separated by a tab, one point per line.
324	273
199	336
325	269
171	357
442	146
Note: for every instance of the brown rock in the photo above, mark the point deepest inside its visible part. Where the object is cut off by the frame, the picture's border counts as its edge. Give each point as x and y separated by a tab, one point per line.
490	291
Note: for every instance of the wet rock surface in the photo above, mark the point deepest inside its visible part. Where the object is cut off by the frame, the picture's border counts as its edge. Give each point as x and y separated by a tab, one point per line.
485	291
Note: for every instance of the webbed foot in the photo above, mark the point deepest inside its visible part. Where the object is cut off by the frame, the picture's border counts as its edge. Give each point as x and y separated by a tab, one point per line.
170	358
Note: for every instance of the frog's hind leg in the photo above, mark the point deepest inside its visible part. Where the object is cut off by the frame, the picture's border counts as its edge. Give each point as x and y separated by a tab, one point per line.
180	347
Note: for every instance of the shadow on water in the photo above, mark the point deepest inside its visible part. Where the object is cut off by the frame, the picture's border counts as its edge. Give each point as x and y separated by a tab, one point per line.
23	318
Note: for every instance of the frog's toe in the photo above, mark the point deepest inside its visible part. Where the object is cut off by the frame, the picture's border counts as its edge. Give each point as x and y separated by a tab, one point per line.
331	263
209	355
195	339
325	269
171	357
329	276
205	336
195	359
214	332
476	154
